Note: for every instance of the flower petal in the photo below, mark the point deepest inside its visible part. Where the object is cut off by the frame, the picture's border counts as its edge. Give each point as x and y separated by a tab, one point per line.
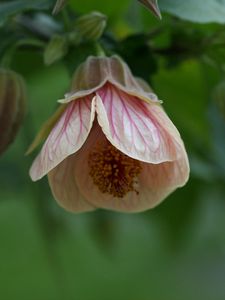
64	188
66	137
95	72
163	184
155	182
158	181
140	130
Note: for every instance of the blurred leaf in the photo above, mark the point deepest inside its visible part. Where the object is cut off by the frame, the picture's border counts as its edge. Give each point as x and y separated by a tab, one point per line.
177	211
10	8
218	128
111	8
77	55
7	39
45	129
35	255
183	91
219	96
40	24
56	49
138	55
202	11
203	168
183	40
103	228
215	56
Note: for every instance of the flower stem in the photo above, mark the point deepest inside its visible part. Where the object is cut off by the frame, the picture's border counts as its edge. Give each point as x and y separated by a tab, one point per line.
99	50
66	19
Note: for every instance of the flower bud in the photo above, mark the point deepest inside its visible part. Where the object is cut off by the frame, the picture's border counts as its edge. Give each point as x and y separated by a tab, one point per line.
12	106
91	26
96	71
56	49
152	5
58	6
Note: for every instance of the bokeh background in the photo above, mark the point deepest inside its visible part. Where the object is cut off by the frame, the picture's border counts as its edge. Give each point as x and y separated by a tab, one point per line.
175	251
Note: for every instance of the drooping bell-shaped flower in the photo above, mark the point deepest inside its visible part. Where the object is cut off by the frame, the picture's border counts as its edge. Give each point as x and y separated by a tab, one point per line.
110	145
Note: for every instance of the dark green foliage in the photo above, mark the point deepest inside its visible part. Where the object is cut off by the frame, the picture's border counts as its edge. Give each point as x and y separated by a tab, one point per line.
138	54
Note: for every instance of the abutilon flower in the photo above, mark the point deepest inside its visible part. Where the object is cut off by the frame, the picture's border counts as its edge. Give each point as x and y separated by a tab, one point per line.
110	144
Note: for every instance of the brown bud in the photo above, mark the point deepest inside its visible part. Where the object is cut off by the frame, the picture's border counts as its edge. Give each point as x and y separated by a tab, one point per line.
12	106
58	6
152	5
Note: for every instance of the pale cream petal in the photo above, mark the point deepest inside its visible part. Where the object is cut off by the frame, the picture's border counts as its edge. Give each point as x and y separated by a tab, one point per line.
155	182
64	188
158	181
154	185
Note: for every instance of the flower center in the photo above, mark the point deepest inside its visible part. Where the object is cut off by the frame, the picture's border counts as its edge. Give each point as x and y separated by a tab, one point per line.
112	171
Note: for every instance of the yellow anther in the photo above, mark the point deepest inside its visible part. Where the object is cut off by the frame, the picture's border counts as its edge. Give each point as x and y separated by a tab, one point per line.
112	171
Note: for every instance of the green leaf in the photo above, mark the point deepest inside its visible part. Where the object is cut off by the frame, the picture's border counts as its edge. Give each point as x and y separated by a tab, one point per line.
201	11
10	8
139	57
185	99
111	8
56	49
79	54
45	129
219	96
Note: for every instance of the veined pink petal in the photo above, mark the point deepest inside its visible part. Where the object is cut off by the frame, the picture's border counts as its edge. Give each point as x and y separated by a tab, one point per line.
64	188
155	182
138	129
66	137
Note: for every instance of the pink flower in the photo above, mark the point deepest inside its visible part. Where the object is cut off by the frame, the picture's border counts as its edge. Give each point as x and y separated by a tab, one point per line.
111	145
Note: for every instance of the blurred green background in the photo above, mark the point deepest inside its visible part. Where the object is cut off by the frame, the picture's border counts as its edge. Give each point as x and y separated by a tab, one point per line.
174	252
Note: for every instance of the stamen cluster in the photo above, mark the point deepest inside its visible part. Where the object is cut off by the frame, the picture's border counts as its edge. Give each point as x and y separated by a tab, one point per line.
112	171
